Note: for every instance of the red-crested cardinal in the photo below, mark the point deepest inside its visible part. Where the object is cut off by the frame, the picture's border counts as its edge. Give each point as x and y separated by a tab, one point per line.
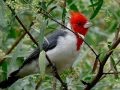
62	47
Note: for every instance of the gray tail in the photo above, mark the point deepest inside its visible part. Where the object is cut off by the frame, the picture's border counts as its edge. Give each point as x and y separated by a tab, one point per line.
11	79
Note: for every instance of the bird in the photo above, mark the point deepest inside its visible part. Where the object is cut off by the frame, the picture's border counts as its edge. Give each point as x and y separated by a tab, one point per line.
62	47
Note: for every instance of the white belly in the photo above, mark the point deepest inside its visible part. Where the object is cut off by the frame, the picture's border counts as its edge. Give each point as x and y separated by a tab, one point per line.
65	53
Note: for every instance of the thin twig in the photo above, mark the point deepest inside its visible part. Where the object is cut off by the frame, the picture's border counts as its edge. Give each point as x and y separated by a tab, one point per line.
112	73
20	22
95	64
55	73
54	83
117	32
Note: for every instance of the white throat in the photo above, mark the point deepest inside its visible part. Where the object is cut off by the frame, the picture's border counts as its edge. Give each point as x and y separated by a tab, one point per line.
69	26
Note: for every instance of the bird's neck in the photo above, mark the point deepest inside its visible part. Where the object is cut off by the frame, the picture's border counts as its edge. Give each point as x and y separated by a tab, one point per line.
79	39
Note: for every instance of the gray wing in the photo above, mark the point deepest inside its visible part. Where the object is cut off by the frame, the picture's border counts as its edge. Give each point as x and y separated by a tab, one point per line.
52	40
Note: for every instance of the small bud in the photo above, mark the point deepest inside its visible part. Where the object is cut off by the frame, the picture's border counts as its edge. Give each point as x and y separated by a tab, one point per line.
107	19
2	55
62	3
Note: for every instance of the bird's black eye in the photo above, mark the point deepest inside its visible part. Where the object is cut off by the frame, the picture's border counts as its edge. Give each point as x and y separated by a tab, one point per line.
79	24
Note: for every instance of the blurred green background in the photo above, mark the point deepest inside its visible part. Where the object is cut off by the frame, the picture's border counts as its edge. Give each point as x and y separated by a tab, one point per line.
105	16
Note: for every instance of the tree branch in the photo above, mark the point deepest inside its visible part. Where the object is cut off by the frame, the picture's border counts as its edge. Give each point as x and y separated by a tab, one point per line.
102	64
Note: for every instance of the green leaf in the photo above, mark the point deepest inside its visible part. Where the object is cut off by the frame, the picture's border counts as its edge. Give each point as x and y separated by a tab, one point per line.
102	53
26	1
52	8
113	66
51	1
63	15
112	27
41	36
3	22
72	5
42	63
4	69
13	33
93	4
97	9
88	77
43	5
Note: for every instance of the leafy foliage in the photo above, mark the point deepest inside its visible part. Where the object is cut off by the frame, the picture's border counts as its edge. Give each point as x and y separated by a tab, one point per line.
105	15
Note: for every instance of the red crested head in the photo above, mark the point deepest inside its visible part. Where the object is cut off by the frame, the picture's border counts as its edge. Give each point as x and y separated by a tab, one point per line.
79	22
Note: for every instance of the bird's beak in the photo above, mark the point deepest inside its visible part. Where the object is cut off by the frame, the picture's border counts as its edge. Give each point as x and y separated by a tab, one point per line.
87	25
